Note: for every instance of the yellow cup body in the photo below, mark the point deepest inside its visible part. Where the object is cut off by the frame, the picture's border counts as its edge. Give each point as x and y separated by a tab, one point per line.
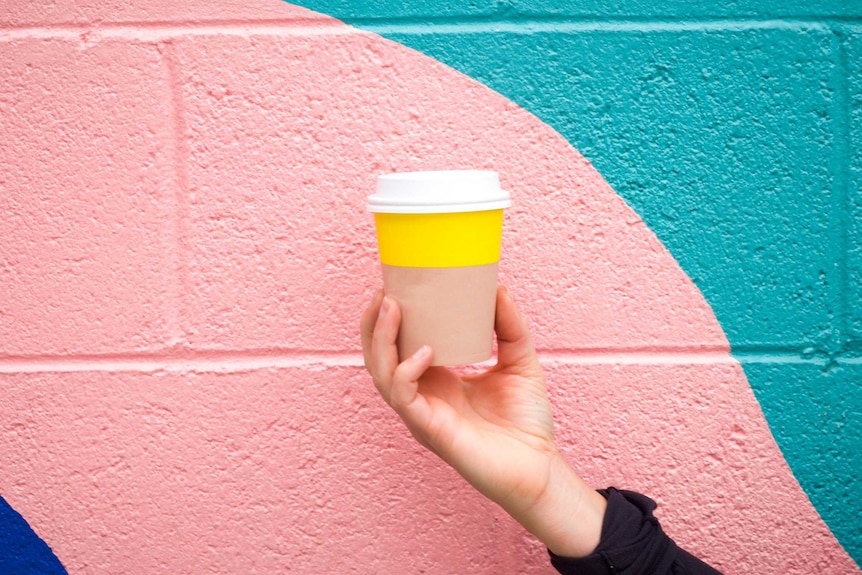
440	240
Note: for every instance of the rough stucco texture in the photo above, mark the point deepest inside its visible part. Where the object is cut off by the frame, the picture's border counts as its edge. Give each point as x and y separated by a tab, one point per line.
87	198
184	258
729	129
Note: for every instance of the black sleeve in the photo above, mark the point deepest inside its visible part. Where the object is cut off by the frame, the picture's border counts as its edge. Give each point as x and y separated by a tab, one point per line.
632	543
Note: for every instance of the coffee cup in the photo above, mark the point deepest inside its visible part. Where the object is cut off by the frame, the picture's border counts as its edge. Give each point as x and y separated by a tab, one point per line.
439	237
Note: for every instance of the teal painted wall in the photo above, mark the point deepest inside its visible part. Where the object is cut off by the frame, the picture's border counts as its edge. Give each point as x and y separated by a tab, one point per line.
734	131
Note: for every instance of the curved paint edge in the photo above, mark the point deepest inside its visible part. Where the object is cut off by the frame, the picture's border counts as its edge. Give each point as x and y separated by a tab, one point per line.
24	552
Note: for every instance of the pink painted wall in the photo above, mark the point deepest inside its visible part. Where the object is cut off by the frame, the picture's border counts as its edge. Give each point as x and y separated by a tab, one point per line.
184	259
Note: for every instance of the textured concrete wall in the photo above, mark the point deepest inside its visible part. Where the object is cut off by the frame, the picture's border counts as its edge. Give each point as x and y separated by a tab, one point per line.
184	256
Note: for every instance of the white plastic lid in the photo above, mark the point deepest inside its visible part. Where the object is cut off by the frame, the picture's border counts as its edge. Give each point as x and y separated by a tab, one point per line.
438	192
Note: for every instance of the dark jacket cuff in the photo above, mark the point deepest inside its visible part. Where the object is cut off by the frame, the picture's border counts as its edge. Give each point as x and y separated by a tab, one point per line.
632	540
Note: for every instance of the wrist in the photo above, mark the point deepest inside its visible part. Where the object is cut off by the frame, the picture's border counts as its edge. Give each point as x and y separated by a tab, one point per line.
568	515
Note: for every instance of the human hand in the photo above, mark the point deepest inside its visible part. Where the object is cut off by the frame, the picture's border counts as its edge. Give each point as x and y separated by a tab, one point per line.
494	428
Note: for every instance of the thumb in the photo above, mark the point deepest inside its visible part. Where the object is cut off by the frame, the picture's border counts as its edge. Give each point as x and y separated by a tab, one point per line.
515	346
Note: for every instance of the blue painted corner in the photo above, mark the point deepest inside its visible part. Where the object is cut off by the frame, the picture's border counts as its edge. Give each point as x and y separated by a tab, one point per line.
22	552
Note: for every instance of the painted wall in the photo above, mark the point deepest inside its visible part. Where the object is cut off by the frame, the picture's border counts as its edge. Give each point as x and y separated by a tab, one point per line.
184	256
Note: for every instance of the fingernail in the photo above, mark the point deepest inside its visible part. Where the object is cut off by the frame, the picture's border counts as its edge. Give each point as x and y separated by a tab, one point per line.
378	295
422	352
384	307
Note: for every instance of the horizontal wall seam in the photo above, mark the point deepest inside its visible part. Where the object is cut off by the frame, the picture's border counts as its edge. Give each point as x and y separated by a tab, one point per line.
575	25
219	362
168	31
311	20
156	31
204	362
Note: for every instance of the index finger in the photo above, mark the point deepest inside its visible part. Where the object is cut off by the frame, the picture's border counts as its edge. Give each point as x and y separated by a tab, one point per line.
366	326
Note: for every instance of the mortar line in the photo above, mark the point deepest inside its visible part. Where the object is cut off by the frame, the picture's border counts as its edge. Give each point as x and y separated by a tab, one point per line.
165	30
493	18
184	360
188	353
841	205
180	353
681	358
498	18
173	24
201	364
574	25
181	224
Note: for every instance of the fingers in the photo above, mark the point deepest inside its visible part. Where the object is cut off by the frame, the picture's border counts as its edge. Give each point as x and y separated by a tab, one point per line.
408	403
366	326
397	383
405	382
384	353
515	346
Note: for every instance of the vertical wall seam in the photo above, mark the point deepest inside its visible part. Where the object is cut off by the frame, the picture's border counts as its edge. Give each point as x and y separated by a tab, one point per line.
181	252
840	165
